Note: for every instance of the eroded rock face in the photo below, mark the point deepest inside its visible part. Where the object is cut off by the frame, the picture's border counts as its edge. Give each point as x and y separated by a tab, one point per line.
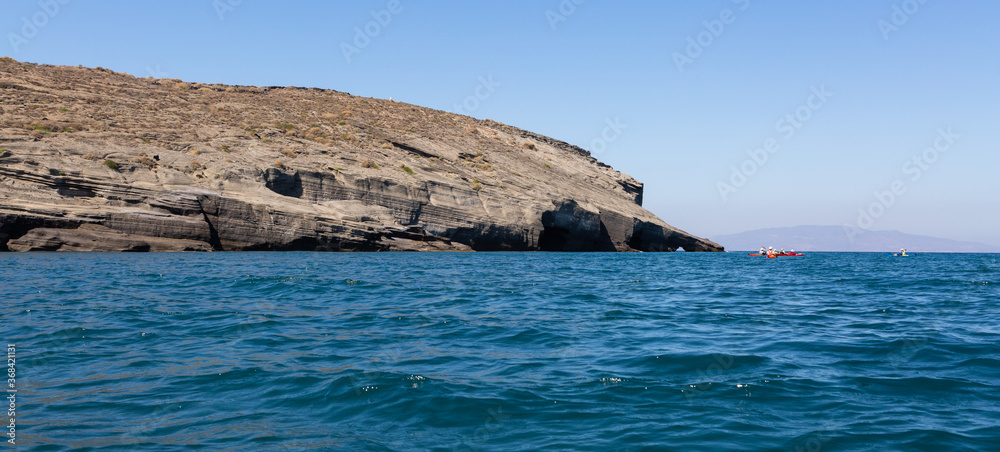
93	160
94	237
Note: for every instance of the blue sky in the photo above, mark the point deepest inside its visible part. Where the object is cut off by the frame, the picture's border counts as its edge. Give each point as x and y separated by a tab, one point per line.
897	75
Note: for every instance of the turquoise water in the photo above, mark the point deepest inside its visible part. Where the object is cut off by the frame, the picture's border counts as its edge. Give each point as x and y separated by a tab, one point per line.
494	351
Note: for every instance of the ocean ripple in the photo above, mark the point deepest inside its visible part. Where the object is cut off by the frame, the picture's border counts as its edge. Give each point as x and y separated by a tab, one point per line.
503	351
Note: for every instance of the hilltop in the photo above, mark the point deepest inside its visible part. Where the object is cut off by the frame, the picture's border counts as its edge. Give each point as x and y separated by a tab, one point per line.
93	159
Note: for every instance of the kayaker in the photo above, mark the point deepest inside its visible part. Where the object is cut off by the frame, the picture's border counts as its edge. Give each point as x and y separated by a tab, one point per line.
770	251
782	251
902	251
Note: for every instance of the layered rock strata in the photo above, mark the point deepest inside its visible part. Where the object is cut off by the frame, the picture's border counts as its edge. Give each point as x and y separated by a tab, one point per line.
94	160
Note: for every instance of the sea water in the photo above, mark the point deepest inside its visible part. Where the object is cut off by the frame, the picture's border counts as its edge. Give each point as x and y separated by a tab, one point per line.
503	351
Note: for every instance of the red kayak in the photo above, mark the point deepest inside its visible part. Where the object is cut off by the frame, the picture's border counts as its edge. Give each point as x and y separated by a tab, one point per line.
777	254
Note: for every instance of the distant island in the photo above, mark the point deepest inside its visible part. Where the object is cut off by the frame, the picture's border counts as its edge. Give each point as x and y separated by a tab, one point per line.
95	160
841	238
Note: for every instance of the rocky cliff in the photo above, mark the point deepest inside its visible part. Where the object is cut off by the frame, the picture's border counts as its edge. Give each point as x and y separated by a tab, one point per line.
95	160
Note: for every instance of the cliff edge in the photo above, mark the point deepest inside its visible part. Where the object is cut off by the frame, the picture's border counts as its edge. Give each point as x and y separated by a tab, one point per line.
94	160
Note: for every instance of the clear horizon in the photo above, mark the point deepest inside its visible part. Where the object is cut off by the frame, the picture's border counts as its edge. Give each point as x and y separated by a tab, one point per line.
736	114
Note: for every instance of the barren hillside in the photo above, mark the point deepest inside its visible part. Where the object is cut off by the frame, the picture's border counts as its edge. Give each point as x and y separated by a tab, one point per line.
92	159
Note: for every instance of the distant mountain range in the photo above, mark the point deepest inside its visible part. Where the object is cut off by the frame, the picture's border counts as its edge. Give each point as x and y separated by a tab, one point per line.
845	238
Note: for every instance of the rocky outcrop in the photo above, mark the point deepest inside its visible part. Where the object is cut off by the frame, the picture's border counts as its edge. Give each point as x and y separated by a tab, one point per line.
94	237
92	160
